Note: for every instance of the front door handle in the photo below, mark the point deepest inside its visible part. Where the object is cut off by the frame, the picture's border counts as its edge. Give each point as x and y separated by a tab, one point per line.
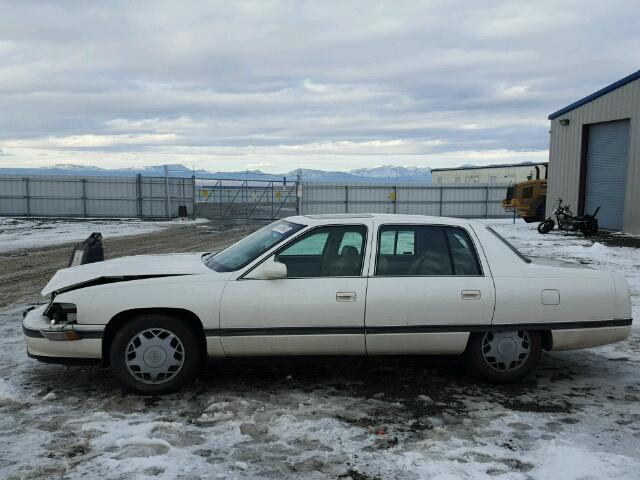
346	297
471	294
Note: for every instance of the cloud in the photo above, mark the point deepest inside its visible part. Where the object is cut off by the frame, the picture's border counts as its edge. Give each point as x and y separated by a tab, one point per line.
76	142
283	84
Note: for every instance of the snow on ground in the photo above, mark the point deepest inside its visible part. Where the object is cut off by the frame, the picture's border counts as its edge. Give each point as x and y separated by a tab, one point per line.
577	417
18	233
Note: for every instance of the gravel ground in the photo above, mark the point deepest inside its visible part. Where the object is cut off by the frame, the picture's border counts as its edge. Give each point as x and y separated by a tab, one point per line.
577	417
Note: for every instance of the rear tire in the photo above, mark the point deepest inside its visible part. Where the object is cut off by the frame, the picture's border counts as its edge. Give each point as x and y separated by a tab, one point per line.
546	226
155	354
504	357
589	226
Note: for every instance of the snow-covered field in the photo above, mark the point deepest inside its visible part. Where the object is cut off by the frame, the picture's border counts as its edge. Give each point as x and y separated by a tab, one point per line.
577	417
18	233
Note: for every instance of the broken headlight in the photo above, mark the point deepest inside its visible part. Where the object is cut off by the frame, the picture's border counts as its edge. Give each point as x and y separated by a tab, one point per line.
61	313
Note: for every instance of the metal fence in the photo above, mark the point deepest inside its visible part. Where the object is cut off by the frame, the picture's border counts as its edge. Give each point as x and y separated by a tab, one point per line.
230	199
249	200
62	196
469	201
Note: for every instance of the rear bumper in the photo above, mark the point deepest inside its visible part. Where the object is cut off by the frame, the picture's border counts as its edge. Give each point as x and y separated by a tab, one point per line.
576	338
72	342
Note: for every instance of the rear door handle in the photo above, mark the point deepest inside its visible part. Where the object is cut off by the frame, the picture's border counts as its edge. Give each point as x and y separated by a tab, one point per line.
471	294
346	297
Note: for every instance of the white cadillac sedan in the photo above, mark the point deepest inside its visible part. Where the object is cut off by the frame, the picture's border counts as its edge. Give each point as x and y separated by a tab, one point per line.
328	285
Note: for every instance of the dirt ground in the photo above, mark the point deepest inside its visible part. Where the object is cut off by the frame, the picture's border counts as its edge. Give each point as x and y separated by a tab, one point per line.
26	272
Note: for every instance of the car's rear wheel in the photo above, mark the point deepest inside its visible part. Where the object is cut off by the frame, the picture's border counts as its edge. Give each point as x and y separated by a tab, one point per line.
155	354
504	356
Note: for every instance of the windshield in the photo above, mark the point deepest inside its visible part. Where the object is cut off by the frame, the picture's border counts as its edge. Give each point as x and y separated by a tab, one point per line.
249	248
513	249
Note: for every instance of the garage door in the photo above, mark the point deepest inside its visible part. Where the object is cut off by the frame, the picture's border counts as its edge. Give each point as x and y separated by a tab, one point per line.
607	158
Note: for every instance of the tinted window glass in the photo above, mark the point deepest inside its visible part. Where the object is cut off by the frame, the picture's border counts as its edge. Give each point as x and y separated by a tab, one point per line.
249	248
387	242
425	250
465	260
309	245
353	239
326	252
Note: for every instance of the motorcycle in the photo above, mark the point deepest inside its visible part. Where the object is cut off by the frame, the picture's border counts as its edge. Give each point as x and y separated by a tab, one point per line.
587	224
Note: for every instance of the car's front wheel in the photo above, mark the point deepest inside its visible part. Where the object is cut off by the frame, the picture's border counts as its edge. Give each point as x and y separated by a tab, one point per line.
155	354
504	356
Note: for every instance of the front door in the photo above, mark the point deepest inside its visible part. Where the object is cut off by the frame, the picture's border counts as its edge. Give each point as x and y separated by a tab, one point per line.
317	309
427	292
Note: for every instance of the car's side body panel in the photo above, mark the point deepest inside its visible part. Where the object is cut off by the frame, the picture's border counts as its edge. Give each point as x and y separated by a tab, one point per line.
411	309
198	294
293	316
546	291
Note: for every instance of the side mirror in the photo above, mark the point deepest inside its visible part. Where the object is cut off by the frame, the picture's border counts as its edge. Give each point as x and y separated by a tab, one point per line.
271	269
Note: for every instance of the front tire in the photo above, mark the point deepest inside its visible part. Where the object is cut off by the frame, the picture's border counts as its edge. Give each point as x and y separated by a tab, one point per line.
504	356
546	226
155	354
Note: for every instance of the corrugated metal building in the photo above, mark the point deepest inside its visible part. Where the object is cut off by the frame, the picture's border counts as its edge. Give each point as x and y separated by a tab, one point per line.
594	155
490	174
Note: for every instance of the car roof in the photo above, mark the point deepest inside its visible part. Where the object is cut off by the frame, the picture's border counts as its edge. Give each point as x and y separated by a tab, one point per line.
380	217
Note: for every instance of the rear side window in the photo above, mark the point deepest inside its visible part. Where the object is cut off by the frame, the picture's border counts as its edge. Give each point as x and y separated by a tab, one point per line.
397	242
425	250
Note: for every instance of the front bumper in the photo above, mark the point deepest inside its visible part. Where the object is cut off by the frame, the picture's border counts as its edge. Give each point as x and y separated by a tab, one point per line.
72	341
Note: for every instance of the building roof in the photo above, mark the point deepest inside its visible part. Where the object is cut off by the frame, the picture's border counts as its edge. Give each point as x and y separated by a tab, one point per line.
598	94
506	165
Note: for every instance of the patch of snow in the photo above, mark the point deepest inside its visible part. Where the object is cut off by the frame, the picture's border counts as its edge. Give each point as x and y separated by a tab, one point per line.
8	394
49	396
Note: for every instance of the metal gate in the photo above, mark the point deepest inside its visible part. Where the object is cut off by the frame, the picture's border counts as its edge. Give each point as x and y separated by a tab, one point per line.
248	200
607	159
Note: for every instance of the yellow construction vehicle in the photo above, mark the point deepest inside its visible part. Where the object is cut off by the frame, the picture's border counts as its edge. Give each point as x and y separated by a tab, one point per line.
528	198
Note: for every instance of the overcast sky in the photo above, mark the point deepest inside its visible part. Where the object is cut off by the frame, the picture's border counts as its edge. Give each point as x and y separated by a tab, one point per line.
281	85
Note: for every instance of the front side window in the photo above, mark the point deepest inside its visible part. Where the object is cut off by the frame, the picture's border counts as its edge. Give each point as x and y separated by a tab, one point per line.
249	248
425	250
335	251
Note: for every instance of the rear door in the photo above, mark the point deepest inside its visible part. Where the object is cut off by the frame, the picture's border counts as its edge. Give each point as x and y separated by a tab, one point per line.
428	290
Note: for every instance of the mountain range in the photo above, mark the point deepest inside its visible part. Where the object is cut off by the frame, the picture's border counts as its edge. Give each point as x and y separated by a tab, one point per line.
385	173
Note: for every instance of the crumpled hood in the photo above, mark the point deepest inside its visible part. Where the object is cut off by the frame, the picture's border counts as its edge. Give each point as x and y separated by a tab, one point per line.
142	266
